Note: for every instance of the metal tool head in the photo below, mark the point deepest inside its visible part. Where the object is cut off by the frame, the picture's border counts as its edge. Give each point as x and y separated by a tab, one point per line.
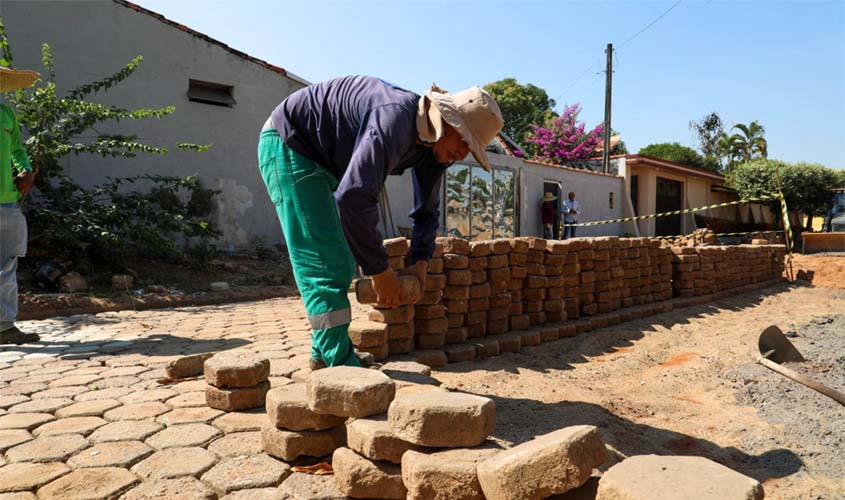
773	339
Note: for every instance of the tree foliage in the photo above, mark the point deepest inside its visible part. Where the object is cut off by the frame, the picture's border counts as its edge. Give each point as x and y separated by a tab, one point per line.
806	186
674	152
107	220
523	106
709	131
747	145
566	138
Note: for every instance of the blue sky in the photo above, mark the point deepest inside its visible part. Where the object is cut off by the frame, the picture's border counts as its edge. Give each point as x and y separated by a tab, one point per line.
782	63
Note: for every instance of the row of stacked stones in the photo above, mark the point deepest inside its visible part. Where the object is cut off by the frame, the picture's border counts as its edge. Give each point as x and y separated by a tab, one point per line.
705	270
392	434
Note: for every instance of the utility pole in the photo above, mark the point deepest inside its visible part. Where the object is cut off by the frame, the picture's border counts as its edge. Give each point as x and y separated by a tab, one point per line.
607	92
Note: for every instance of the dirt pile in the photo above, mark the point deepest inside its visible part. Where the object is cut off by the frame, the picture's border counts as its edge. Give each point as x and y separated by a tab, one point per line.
820	270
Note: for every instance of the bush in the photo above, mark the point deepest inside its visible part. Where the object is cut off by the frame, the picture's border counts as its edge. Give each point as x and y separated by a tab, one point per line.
806	186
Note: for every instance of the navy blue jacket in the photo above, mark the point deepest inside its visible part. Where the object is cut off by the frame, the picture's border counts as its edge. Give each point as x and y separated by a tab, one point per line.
362	129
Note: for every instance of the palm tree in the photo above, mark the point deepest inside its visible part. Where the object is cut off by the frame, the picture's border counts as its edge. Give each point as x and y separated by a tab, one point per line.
750	144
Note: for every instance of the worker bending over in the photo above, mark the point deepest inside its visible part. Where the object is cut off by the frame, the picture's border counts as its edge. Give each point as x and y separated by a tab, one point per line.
325	153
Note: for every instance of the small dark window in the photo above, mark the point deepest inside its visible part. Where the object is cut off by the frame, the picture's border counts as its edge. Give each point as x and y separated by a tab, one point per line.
211	93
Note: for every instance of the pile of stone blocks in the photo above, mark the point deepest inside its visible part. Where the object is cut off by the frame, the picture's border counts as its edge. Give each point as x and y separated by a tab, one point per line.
237	380
534	285
705	270
456	293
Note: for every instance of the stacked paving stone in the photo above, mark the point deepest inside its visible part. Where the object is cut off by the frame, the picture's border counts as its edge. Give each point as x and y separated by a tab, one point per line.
587	280
554	262
705	270
456	293
237	380
533	286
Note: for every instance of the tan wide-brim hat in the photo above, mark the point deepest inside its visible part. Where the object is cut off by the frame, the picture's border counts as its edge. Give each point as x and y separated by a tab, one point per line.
472	112
15	79
549	197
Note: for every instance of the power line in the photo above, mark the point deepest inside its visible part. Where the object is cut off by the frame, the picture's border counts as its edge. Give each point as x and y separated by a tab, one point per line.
649	25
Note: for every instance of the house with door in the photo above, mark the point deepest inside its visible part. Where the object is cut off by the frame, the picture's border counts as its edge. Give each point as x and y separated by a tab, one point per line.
656	186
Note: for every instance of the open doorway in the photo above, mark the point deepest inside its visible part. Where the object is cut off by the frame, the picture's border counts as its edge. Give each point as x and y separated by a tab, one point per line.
668	200
555	189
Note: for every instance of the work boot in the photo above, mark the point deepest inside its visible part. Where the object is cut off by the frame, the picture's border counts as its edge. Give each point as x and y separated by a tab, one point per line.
15	336
316	364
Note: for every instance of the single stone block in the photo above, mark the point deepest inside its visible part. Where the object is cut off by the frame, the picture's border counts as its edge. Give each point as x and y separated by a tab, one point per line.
431	357
236	369
453	245
301	486
136	411
178	436
675	478
26	421
457	335
93	408
47	448
372	438
175	462
445	475
289	445
399	315
183	488
549	334
358	477
237	473
530	338
406	366
547	465
410	285
100	482
442	419
349	391
487	347
28	476
187	366
287	408
125	430
115	454
509	342
237	444
367	333
396	247
460	352
71	425
237	398
13	437
192	415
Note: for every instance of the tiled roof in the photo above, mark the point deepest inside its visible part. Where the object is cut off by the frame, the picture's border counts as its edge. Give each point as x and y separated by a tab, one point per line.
242	55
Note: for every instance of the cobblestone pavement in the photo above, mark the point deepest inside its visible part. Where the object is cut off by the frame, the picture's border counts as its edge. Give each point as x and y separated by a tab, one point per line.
83	415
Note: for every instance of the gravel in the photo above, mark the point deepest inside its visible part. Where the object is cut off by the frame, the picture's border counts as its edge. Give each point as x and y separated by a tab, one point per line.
812	423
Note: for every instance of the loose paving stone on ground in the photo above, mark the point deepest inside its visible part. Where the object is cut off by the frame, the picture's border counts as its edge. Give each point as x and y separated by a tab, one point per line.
236	369
372	438
290	445
105	482
29	476
349	391
175	462
287	408
442	419
444	475
359	477
183	488
550	464
242	472
675	478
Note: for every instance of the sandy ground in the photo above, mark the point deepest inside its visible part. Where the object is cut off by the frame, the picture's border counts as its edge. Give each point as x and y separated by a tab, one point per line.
667	385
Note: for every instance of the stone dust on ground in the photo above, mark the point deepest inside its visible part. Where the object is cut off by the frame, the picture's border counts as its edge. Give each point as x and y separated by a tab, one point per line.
664	385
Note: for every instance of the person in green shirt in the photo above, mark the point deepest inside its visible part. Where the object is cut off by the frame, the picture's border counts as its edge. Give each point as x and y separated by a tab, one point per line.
16	178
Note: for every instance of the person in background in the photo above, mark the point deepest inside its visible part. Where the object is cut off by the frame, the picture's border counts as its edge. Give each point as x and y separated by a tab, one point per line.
548	214
571	211
16	180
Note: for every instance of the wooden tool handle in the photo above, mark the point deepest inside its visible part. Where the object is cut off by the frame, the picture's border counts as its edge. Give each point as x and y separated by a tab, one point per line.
812	384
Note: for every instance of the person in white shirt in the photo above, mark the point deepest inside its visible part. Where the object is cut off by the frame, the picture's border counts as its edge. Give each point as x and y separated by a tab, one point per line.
571	211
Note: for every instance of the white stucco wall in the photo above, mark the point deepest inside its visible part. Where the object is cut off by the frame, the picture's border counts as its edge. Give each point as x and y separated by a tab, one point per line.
93	39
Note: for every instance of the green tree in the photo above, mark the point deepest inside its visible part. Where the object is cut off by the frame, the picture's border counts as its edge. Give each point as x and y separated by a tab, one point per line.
709	131
674	152
108	220
750	144
806	186
522	105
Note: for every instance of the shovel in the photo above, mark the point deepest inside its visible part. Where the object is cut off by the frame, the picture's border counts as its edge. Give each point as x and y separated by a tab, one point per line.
775	348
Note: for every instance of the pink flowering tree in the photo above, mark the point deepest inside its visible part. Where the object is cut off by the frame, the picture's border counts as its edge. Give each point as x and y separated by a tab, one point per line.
565	138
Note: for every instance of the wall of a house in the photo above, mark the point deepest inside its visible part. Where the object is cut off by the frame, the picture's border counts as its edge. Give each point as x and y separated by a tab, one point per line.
93	39
591	189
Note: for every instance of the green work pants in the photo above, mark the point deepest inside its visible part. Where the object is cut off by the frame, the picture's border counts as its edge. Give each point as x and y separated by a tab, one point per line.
322	264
